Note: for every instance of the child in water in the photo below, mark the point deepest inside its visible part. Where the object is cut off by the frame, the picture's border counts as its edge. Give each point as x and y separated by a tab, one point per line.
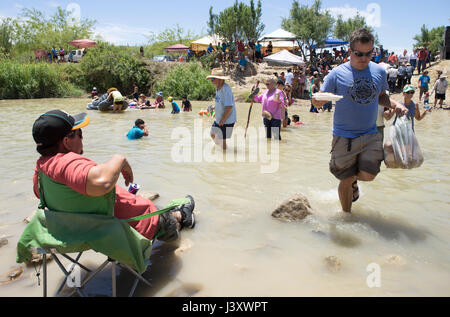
187	107
175	107
296	120
426	100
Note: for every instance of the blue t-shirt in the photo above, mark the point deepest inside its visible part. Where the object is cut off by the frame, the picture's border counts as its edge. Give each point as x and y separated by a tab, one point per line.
175	107
225	98
135	133
258	48
356	114
424	81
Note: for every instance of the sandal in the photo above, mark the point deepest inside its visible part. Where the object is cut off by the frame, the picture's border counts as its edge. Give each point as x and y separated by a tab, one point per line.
355	191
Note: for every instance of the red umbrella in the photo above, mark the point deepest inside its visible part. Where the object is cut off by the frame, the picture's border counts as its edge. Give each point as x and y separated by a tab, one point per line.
84	43
176	48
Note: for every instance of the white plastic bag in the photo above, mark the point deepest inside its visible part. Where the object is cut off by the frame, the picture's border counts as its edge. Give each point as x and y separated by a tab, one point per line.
402	149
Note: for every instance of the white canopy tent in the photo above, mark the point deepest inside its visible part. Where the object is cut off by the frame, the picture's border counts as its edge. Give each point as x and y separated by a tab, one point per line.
279	35
281	40
285	58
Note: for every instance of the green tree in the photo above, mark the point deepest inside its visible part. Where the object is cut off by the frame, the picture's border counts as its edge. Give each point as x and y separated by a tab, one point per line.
311	25
433	39
238	22
6	36
34	30
344	29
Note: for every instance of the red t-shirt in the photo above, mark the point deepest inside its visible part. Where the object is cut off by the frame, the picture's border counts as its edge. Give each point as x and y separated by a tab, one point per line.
72	170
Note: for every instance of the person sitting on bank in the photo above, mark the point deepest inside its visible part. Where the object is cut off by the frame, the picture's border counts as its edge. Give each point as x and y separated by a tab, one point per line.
138	131
117	98
59	140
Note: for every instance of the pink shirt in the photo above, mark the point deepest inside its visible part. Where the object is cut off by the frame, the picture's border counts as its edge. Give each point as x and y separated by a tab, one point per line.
269	104
72	170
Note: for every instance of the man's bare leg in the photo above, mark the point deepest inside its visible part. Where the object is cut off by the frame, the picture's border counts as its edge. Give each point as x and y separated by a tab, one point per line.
346	189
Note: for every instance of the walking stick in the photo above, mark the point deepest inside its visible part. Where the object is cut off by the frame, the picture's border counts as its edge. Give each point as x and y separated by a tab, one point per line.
252	95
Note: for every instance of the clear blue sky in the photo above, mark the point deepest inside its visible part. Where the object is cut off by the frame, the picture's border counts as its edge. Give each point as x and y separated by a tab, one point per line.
126	22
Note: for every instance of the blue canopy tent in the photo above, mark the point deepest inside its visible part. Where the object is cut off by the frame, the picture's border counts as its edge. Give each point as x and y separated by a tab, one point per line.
332	43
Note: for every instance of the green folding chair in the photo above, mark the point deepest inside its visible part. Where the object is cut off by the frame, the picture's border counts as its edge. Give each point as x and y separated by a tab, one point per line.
60	233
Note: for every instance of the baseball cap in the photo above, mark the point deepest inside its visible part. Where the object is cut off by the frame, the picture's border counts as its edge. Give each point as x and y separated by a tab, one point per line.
409	88
53	126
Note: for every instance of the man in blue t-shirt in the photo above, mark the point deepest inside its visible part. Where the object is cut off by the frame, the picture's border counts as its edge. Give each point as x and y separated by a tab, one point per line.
357	147
225	109
138	131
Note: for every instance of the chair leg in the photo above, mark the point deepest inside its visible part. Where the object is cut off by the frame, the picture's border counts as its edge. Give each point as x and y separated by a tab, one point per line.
114	290
44	264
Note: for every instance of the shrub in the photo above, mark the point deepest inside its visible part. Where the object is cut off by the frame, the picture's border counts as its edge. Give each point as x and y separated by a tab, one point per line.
30	80
107	66
187	79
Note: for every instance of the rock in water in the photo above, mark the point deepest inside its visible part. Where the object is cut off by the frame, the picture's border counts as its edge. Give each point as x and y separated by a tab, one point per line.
333	264
3	242
294	209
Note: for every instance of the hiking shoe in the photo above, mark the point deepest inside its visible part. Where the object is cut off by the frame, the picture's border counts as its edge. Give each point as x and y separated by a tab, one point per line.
187	214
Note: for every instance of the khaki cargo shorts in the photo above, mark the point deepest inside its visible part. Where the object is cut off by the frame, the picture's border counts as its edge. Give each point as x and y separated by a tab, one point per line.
349	156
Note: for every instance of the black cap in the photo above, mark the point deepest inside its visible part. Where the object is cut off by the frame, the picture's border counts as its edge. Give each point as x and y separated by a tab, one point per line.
51	127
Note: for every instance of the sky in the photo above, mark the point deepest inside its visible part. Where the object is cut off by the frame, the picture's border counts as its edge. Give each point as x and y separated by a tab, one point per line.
128	22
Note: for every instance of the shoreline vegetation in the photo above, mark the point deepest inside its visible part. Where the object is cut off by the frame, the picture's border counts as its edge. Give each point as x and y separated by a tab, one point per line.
25	76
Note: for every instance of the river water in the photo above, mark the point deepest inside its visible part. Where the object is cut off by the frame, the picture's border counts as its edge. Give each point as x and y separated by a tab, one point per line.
396	242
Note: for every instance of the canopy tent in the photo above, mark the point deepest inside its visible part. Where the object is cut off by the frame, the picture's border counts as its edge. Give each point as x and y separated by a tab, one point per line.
84	43
284	58
279	35
281	40
332	43
203	43
178	48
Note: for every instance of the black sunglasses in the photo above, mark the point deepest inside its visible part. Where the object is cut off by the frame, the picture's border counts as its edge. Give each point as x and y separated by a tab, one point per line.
72	134
361	54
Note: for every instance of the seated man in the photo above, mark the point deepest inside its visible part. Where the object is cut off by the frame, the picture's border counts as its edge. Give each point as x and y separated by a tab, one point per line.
59	140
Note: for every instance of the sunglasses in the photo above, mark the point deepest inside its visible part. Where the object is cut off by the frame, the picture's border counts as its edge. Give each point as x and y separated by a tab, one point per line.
361	54
74	133
410	92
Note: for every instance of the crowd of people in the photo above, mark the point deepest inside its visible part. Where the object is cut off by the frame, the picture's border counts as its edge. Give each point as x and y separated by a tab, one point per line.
55	55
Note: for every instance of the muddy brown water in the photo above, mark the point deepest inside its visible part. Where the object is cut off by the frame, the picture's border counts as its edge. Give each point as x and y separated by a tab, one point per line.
400	225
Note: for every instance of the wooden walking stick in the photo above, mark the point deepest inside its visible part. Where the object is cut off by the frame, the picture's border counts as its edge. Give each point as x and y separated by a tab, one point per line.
252	95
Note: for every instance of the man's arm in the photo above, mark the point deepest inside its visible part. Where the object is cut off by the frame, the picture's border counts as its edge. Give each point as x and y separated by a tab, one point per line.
103	178
386	102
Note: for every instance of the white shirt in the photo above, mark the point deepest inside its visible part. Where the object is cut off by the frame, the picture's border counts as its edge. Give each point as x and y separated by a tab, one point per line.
393	72
403	58
412	56
441	86
289	77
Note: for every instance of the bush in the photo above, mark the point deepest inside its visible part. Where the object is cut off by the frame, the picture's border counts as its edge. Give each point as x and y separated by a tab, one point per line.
30	80
107	66
189	80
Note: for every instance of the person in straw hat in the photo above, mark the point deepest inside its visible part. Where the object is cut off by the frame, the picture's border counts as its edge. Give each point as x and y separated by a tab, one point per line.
225	106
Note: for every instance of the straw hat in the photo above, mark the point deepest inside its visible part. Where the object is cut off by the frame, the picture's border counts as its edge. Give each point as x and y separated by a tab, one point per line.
218	73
